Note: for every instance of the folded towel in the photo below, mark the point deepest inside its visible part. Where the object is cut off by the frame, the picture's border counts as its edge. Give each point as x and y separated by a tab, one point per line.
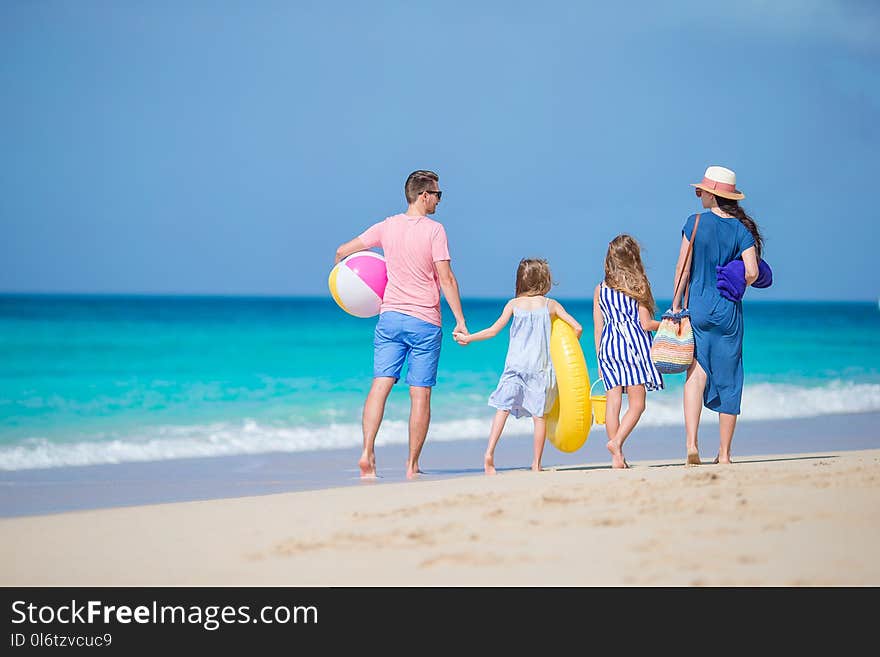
731	281
765	275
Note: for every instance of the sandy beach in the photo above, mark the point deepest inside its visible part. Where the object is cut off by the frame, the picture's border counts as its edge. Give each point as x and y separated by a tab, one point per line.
773	520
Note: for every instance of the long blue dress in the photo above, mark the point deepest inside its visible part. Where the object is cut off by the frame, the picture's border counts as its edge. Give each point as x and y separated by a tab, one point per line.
717	322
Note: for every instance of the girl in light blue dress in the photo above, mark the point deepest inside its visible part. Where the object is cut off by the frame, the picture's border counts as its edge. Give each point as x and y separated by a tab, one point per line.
527	387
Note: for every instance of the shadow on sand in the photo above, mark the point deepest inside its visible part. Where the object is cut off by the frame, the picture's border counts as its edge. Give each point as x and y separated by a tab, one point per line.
680	464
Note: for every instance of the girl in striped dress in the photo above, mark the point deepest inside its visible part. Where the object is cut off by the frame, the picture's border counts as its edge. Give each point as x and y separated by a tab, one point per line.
623	317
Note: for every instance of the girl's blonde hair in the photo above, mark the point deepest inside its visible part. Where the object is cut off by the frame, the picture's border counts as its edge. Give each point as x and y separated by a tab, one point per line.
625	272
533	277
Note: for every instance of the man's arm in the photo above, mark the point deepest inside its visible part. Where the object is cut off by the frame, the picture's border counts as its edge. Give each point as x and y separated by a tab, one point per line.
348	248
449	285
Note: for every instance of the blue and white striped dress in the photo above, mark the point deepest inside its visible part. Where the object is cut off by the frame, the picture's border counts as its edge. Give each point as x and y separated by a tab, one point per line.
625	347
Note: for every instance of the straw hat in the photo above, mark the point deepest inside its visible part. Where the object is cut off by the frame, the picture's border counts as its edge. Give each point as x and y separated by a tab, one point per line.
720	182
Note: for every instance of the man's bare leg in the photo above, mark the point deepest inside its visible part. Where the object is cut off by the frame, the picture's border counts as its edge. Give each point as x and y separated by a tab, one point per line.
374	410
419	419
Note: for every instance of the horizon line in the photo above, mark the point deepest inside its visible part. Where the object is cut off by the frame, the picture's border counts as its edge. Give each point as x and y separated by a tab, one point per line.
327	297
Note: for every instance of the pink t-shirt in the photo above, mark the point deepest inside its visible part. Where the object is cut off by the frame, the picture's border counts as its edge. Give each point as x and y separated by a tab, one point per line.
411	245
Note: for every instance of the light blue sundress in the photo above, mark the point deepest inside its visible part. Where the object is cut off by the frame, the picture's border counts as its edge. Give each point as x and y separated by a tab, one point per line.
527	387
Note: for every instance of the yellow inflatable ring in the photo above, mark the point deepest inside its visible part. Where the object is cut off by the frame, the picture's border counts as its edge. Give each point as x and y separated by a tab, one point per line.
570	419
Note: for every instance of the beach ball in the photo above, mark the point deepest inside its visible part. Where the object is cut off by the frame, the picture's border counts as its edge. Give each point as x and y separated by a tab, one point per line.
357	283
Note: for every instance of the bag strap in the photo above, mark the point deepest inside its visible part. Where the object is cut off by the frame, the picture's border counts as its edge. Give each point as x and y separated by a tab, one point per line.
686	265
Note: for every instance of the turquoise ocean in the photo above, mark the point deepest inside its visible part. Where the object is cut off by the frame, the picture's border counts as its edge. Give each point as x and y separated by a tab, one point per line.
114	379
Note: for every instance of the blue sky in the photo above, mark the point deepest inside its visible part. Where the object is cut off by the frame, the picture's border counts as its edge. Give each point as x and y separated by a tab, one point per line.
229	147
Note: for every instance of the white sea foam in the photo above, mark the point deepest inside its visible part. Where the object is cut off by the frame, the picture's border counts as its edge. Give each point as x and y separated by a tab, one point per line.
764	401
774	401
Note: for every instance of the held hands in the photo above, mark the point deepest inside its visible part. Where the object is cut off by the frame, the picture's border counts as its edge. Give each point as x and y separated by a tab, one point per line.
463	339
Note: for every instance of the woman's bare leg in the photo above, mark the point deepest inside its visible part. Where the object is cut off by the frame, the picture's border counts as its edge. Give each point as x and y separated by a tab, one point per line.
694	386
727	425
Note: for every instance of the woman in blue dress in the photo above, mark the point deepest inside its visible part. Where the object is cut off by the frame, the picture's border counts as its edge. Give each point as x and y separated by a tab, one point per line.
715	378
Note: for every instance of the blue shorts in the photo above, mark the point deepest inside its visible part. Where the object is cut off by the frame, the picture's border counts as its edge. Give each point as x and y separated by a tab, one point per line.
398	336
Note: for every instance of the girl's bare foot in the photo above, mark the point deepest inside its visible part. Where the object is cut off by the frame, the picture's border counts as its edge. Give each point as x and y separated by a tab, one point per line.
693	458
489	464
722	460
617	460
536	467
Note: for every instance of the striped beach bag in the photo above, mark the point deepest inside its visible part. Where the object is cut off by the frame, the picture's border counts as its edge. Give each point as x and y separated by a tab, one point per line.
673	348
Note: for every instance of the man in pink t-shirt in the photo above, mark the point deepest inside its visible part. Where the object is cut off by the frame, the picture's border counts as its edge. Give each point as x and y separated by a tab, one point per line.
417	259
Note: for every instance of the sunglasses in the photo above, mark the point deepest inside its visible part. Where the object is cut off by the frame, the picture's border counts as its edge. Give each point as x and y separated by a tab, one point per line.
698	191
435	191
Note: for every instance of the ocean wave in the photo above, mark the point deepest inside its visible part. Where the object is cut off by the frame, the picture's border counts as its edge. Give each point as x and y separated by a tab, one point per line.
774	401
763	401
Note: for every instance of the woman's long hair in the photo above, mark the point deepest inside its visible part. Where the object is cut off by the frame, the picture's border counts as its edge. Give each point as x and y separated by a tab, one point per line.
733	207
625	272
